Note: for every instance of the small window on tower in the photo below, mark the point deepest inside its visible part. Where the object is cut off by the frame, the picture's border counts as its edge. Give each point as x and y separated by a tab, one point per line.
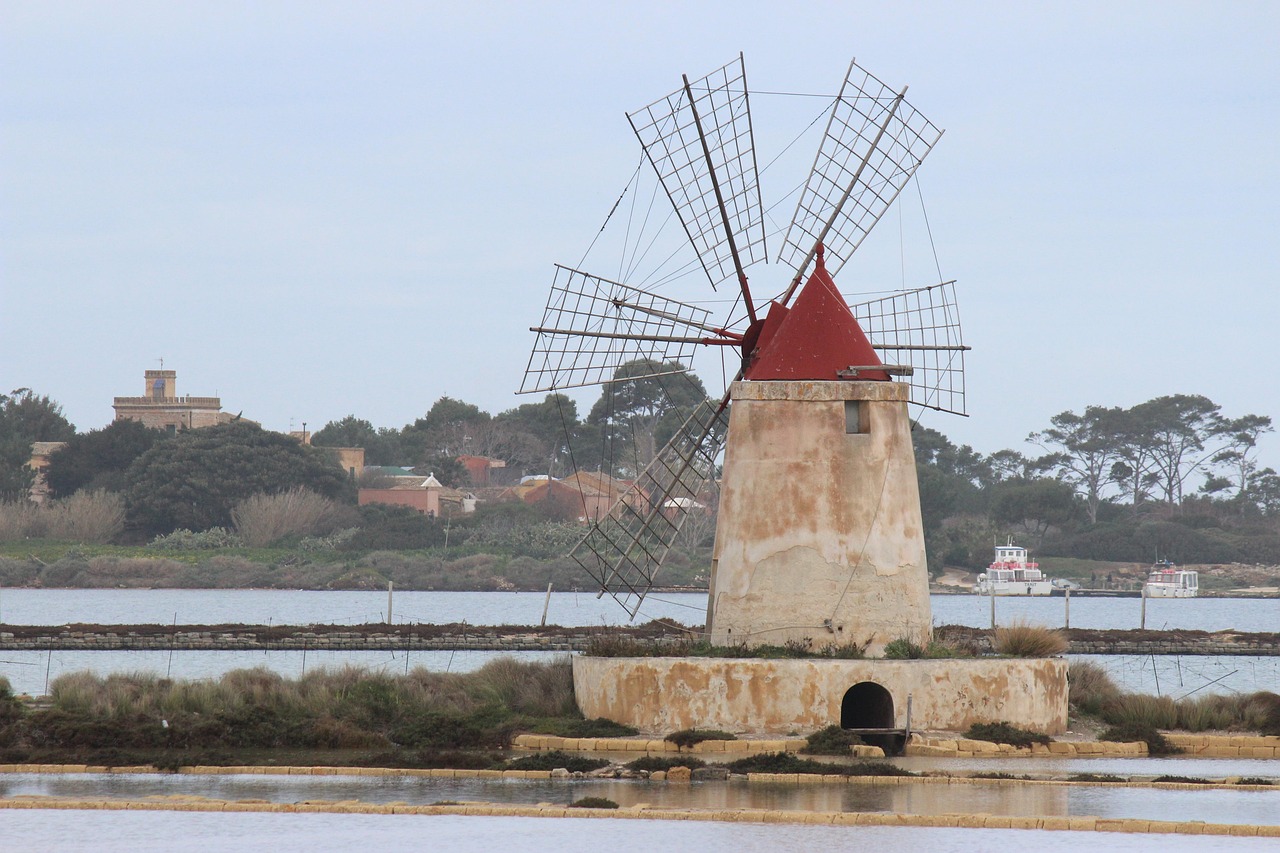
856	421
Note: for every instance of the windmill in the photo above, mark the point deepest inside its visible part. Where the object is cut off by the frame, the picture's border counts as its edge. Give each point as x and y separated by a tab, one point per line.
699	141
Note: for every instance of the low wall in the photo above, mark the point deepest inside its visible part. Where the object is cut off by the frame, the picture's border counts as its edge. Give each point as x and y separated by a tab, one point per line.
427	637
780	696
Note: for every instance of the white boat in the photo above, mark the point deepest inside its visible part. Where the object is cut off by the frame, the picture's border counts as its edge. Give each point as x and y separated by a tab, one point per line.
1011	574
1168	581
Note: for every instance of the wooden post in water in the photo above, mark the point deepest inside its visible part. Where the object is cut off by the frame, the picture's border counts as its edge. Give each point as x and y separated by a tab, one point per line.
1068	608
1143	621
546	604
390	585
993	607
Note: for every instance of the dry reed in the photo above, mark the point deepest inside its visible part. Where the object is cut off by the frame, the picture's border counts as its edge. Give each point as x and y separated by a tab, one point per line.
1023	640
264	519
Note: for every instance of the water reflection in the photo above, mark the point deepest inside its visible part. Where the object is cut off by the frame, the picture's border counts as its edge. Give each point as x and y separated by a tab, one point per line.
145	832
1212	805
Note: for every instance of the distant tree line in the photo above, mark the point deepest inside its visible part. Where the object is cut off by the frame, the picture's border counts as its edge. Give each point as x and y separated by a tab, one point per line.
634	416
1171	477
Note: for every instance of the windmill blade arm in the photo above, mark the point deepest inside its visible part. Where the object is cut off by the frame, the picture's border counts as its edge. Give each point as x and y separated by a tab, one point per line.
700	143
622	336
874	142
923	327
624	550
591	326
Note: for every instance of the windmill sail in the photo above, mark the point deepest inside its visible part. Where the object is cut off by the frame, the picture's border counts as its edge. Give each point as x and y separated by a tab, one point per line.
623	550
921	328
873	144
700	143
591	326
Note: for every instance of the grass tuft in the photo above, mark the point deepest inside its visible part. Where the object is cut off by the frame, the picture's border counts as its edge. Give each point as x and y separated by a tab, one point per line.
1023	640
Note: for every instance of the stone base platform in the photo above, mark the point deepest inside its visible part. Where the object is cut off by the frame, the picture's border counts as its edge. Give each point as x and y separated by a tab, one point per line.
667	694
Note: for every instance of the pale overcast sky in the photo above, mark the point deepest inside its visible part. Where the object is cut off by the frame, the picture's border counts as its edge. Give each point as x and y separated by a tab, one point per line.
314	209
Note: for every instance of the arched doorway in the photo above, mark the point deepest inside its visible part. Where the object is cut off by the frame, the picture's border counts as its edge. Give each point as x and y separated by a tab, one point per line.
866	705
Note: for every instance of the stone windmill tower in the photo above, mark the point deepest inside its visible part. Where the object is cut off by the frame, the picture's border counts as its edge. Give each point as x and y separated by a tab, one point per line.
819	534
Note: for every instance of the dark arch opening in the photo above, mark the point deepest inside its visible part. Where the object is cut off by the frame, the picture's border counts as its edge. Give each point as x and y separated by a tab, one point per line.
867	705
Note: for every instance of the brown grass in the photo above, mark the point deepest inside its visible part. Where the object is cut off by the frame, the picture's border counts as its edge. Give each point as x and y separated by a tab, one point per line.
20	520
264	519
88	517
85	517
1022	640
1090	688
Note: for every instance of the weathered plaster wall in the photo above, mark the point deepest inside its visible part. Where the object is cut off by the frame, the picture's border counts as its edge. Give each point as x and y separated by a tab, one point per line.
817	523
779	696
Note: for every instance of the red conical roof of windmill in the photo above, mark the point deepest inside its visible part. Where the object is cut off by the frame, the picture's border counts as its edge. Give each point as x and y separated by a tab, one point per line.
816	338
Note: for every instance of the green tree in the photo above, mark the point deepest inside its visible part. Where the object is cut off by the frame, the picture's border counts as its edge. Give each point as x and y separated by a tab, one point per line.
1239	456
539	435
1179	429
449	428
381	446
1034	505
194	479
98	459
640	411
1085	450
26	418
448	470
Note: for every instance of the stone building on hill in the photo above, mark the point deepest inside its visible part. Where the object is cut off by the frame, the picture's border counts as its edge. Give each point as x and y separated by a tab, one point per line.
161	407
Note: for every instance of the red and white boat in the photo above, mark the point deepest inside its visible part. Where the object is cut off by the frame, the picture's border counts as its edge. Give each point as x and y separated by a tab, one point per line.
1168	581
1011	574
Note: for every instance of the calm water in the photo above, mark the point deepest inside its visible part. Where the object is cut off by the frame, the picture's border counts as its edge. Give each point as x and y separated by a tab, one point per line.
1212	805
305	607
233	832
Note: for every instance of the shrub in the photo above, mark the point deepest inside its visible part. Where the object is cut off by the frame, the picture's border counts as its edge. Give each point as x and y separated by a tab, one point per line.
782	762
186	540
1157	744
1140	709
1089	687
832	740
689	737
1254	780
905	649
593	803
599	727
535	689
21	519
1003	732
92	517
655	763
556	759
1022	640
1268	708
264	519
1186	780
1095	777
395	528
991	774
